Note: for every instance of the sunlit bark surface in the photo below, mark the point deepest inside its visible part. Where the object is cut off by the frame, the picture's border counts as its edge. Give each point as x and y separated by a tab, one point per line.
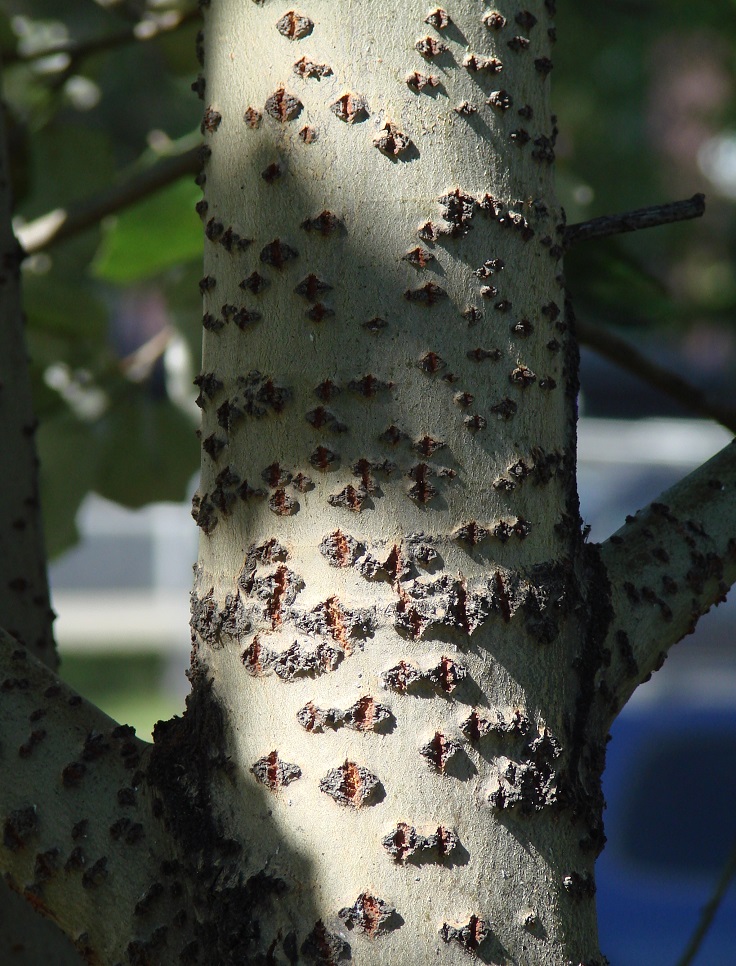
387	585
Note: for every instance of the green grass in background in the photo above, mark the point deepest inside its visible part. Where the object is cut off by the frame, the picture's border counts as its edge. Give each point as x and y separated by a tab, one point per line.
128	687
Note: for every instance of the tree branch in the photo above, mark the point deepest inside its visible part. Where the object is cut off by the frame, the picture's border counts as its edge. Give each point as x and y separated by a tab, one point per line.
725	879
63	223
633	220
24	593
622	353
667	566
77	50
80	841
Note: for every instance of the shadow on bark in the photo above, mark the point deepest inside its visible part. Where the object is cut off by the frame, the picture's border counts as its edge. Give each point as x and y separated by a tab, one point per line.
28	938
238	916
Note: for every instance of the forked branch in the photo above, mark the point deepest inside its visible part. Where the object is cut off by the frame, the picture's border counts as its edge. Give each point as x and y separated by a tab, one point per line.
80	842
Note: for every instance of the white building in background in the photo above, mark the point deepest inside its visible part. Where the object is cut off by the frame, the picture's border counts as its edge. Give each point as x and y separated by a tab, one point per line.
125	585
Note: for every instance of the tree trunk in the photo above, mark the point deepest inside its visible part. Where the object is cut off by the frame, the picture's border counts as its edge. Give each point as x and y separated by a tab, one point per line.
392	590
24	594
406	659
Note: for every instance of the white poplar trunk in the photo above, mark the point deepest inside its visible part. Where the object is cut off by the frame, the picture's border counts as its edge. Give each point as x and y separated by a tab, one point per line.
460	556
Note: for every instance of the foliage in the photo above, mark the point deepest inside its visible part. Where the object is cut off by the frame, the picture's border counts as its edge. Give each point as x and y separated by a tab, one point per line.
79	125
644	92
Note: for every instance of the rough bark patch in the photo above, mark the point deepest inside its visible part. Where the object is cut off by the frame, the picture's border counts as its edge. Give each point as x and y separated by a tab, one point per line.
277	253
371	915
283	106
444	676
471	533
365	715
324	947
294	25
307	68
404	842
418	81
475	727
470	936
391	141
439	19
529	785
439	750
351	785
475	64
295	662
428	294
429	47
350	107
274	773
325	223
20	826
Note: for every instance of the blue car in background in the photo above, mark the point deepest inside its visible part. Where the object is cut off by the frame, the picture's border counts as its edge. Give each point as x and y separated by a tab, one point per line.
670	780
671	822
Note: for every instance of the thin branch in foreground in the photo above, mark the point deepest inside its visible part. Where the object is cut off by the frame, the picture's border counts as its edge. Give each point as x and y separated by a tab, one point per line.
710	909
77	50
617	350
650	217
58	225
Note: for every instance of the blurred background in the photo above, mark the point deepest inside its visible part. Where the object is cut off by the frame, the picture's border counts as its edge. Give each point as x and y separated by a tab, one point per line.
99	101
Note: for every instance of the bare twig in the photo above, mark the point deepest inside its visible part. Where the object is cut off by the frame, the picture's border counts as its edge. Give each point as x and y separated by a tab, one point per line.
710	909
622	353
62	223
634	220
138	365
77	50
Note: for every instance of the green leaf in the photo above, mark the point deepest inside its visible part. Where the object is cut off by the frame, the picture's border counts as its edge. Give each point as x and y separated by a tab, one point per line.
67	451
151	236
69	161
147	451
63	307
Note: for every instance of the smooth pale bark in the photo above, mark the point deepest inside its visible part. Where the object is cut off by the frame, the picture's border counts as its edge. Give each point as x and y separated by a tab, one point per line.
465	553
